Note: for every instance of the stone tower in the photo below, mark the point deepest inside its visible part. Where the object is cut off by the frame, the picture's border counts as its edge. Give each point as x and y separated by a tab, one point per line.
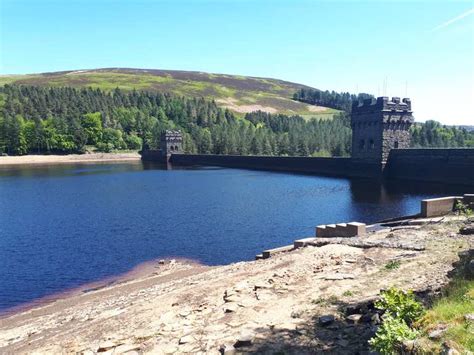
378	126
171	142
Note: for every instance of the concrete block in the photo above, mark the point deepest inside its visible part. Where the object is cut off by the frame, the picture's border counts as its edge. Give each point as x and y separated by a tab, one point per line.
325	230
356	228
321	231
268	253
341	230
438	206
302	242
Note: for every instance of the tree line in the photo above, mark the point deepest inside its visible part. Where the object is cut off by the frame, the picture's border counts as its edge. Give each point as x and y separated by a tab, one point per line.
432	134
66	120
40	120
337	100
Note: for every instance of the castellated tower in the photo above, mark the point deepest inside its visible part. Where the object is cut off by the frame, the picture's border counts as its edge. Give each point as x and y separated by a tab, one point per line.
378	126
171	142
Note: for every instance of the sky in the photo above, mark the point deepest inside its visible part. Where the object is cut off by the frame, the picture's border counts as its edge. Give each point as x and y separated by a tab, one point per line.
423	50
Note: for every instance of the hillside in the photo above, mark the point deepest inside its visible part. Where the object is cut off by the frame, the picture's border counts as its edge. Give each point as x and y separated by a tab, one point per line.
241	94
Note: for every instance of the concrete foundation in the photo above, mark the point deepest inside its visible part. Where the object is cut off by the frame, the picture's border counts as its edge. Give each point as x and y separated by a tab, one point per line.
439	206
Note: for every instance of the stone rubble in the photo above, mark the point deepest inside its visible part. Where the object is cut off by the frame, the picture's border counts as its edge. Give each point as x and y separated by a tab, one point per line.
314	299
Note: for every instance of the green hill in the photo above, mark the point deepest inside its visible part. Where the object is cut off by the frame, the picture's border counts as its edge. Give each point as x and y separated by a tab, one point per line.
241	94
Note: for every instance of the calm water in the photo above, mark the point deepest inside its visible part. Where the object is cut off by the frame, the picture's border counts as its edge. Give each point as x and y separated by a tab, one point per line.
66	225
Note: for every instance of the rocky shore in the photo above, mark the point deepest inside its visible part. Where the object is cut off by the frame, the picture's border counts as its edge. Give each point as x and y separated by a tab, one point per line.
314	299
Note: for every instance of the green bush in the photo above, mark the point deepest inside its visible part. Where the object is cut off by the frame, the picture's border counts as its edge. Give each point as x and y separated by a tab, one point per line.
391	334
463	209
400	305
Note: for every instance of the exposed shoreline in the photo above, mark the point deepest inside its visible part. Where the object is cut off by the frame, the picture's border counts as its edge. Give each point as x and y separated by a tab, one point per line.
139	272
70	158
184	307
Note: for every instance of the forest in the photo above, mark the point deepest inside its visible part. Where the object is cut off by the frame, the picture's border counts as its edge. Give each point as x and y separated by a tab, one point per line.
338	100
42	120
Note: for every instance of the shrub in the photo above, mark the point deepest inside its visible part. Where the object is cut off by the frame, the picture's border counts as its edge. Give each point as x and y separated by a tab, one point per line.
391	334
392	265
400	305
463	209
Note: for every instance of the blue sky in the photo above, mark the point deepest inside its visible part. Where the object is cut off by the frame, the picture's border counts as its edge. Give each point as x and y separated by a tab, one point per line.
424	48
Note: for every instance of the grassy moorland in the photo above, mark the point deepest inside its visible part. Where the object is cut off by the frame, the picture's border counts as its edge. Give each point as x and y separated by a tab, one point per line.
241	94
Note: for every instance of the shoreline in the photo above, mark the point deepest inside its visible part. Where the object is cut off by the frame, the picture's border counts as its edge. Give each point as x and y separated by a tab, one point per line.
265	306
25	160
145	270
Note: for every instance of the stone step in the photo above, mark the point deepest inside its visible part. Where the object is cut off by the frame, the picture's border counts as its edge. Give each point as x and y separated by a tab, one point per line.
303	242
351	229
356	228
341	230
268	253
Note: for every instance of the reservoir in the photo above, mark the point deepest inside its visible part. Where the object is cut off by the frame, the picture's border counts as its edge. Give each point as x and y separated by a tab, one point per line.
62	226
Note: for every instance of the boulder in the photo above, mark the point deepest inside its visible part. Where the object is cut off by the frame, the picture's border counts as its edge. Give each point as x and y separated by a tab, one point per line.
326	320
467	230
245	339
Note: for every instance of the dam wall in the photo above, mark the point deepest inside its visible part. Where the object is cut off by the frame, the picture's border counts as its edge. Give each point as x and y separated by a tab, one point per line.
344	167
449	166
452	166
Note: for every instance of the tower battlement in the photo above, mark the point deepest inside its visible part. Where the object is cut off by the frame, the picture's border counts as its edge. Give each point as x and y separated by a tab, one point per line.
382	103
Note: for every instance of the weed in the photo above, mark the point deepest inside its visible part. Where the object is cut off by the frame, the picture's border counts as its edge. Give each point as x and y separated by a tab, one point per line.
391	334
392	265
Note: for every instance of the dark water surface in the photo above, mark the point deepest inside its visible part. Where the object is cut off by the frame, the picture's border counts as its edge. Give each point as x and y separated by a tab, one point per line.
65	225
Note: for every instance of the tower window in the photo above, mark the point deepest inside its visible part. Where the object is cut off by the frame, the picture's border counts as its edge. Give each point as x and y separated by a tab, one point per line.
361	144
371	144
395	144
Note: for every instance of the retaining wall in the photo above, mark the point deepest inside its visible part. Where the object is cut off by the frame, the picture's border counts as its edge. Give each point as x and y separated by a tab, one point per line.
453	166
343	167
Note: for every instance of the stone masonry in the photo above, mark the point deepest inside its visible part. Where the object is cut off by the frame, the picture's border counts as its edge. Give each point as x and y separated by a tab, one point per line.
171	143
378	126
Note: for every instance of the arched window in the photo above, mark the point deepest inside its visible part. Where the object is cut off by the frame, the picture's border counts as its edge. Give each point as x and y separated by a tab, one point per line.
395	145
371	144
361	144
171	148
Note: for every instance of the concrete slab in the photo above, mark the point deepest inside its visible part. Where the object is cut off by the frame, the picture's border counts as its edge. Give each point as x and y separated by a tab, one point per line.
438	206
341	230
303	242
356	228
268	253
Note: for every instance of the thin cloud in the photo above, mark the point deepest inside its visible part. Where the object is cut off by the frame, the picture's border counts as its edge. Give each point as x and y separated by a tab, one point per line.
453	20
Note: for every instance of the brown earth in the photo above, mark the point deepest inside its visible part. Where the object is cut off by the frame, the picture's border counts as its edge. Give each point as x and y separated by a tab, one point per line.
70	158
265	306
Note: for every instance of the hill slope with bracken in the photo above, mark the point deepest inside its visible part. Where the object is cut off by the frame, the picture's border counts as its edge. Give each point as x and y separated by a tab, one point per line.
241	94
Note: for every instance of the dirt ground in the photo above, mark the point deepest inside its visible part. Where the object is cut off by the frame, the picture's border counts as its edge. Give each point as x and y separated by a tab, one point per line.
70	158
311	300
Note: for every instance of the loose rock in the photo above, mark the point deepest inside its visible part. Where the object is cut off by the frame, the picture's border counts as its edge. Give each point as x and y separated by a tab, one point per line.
245	339
354	318
326	320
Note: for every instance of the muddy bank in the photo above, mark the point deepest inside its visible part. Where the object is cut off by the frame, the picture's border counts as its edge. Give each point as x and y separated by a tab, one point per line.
71	158
296	302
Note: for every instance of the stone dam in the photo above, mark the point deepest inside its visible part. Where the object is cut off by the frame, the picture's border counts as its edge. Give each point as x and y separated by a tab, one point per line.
380	150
